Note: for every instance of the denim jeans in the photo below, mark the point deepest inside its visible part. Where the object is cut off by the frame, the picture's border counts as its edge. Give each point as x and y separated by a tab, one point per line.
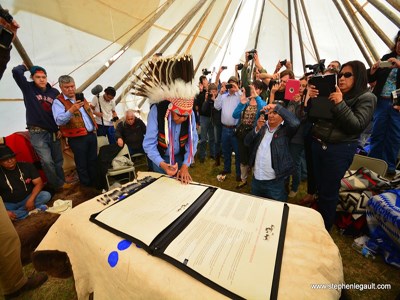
385	138
229	144
218	137
296	150
108	131
19	208
49	151
329	168
271	189
207	133
85	156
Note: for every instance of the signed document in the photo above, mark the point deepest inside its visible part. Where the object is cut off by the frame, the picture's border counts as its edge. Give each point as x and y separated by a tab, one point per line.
229	241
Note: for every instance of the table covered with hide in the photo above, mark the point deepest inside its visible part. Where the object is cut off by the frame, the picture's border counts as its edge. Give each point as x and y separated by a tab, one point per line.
104	264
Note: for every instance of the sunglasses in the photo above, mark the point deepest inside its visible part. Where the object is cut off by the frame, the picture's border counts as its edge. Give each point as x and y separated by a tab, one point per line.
346	75
182	116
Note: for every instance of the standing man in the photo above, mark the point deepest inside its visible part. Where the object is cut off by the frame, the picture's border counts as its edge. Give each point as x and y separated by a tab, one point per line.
271	156
207	130
104	111
12	278
43	130
227	100
77	123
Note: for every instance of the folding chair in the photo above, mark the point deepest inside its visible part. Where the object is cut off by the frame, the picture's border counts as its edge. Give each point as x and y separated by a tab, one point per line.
101	141
139	159
376	165
128	170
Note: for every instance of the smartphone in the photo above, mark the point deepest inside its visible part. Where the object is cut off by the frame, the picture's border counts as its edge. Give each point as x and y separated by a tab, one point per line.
6	37
79	97
385	64
228	86
248	92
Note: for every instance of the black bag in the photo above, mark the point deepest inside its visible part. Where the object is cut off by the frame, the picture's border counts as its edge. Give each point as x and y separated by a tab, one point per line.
242	130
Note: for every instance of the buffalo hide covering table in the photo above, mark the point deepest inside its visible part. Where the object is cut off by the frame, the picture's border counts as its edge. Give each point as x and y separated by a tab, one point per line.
107	265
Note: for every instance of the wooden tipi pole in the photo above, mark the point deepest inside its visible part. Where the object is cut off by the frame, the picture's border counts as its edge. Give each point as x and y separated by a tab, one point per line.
188	17
303	60
370	47
126	46
392	16
372	23
353	33
309	28
217	26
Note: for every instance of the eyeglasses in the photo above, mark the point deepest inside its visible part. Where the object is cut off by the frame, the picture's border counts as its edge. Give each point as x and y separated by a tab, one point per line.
346	75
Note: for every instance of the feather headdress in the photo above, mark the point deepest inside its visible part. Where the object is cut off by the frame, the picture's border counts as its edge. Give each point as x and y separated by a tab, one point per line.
169	78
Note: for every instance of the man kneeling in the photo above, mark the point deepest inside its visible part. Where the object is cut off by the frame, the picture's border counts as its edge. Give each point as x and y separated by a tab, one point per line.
20	186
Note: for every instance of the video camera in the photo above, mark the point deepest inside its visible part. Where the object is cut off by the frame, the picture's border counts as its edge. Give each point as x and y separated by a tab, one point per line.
205	72
251	53
6	36
272	82
317	68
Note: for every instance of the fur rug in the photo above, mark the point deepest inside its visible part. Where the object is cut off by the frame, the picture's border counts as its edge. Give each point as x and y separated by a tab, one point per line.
33	229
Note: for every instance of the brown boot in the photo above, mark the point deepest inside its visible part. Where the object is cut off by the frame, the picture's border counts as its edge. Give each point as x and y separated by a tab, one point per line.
217	160
36	280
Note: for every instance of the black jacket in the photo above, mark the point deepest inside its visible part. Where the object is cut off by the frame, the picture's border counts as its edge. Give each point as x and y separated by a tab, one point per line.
350	118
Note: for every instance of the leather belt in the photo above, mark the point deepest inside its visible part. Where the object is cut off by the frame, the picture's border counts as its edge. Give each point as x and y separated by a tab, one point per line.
36	129
229	126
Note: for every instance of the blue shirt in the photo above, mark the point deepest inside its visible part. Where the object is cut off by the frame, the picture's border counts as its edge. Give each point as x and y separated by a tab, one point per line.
62	117
227	104
151	138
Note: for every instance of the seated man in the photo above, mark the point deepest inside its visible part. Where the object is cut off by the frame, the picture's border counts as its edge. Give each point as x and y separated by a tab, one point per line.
131	131
270	156
20	186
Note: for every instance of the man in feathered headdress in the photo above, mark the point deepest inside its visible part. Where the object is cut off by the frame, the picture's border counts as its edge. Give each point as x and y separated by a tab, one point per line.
171	138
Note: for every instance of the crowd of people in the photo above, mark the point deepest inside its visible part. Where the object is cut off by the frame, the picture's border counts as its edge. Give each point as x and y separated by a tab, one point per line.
252	116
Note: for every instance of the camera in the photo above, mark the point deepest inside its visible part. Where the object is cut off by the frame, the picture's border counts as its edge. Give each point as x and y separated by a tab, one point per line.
283	62
317	68
224	67
395	95
240	66
6	37
205	72
115	119
251	53
5	15
79	97
263	113
272	82
228	86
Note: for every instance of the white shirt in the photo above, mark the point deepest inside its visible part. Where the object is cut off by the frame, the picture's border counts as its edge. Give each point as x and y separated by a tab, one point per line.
263	164
106	108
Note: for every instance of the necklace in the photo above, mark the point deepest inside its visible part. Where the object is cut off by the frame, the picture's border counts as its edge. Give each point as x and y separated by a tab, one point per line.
21	177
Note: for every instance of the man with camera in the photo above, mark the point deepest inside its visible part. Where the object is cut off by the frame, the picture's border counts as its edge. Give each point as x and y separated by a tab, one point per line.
227	101
43	131
104	111
207	130
270	155
73	114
